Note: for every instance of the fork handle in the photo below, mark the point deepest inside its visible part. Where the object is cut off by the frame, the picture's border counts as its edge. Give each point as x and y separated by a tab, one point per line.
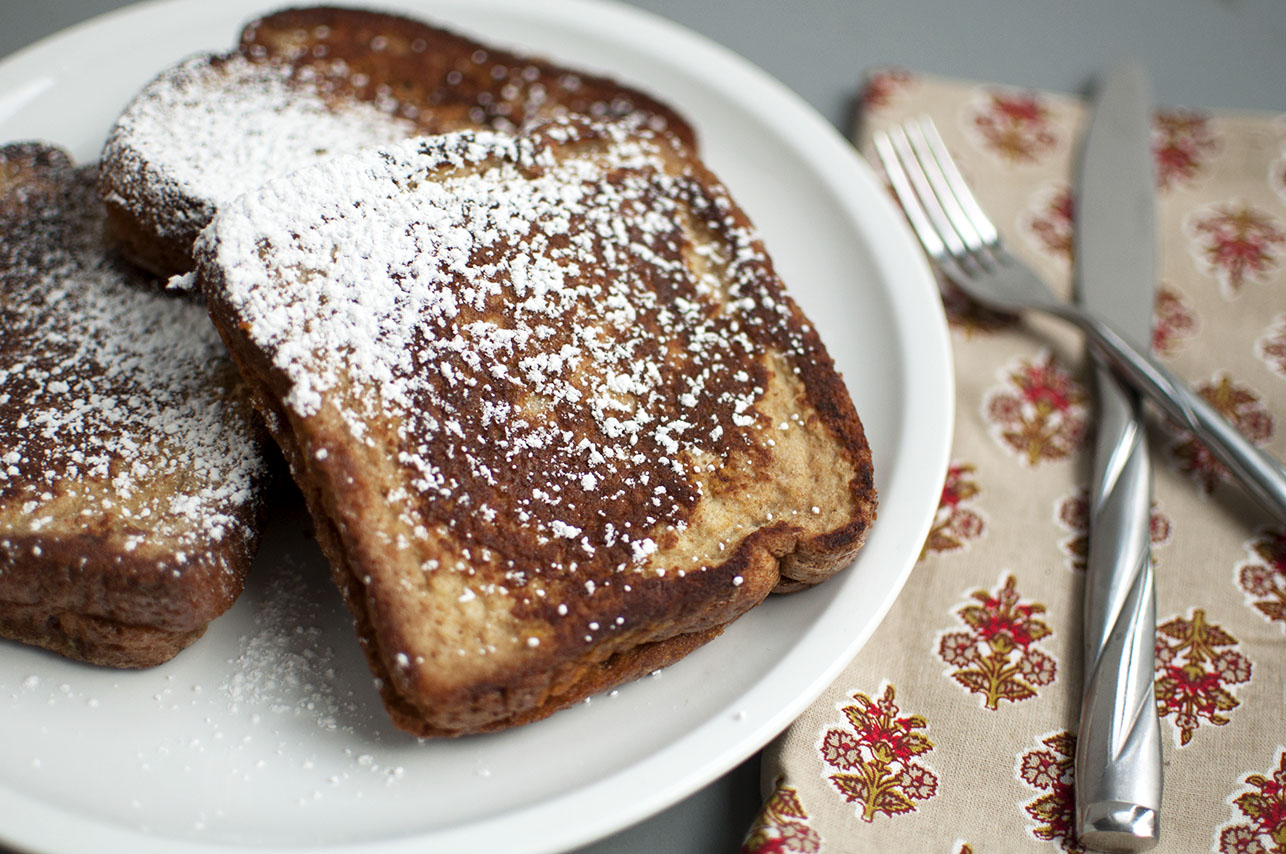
1263	476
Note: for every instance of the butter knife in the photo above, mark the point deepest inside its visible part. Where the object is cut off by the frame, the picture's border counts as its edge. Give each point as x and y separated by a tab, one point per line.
1118	751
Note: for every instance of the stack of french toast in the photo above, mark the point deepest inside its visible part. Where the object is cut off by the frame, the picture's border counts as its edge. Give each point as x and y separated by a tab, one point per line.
555	418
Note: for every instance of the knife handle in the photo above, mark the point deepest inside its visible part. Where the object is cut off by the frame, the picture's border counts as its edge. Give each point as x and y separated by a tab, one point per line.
1263	476
1118	749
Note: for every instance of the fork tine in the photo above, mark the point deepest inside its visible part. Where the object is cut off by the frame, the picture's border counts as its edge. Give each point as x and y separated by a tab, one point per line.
916	172
967	215
954	216
917	201
907	197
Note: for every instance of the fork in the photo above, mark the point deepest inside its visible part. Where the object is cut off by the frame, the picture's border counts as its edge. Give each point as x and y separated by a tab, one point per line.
966	247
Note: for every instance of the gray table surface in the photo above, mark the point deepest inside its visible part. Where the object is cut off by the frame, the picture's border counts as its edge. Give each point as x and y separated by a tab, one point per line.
1201	53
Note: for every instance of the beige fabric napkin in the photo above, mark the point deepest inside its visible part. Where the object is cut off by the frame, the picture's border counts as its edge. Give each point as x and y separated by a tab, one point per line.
954	728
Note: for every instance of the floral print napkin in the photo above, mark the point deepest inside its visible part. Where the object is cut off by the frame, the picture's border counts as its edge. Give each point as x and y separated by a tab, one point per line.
954	729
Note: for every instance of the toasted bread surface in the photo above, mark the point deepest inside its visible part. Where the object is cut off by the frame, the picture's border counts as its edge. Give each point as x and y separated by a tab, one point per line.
130	456
305	84
553	413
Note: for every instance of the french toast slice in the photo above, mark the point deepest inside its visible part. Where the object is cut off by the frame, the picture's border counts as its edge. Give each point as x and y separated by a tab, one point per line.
555	418
130	456
307	83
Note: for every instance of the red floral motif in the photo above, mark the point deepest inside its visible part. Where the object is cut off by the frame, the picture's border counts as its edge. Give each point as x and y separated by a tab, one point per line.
1262	825
883	86
1244	410
1195	663
1050	222
1050	771
1073	515
1238	243
997	656
1263	575
955	524
1041	414
1183	141
1175	322
1271	348
873	758
782	827
1015	125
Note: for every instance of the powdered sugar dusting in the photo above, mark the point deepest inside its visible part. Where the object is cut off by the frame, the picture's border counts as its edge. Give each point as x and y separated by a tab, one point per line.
116	402
285	667
298	90
503	303
210	129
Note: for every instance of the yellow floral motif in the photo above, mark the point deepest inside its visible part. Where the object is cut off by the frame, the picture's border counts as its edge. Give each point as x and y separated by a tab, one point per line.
1041	414
782	827
1195	663
1243	408
1239	243
1050	223
873	758
1016	126
1050	771
1263	805
955	524
1186	140
1263	576
997	656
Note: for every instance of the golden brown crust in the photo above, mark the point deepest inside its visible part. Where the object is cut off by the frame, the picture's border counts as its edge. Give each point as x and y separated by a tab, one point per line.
390	76
585	680
129	454
491	585
538	698
92	639
453	82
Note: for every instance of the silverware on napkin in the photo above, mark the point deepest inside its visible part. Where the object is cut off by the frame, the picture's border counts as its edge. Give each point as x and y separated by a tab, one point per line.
1118	751
965	245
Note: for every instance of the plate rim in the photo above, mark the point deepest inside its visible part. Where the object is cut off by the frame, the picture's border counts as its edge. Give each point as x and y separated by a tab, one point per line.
824	148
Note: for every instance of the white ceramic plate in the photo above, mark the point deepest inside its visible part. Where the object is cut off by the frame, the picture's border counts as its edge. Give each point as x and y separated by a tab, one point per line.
268	735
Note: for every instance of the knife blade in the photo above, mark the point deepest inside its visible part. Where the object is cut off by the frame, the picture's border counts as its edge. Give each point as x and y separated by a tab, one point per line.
1118	756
